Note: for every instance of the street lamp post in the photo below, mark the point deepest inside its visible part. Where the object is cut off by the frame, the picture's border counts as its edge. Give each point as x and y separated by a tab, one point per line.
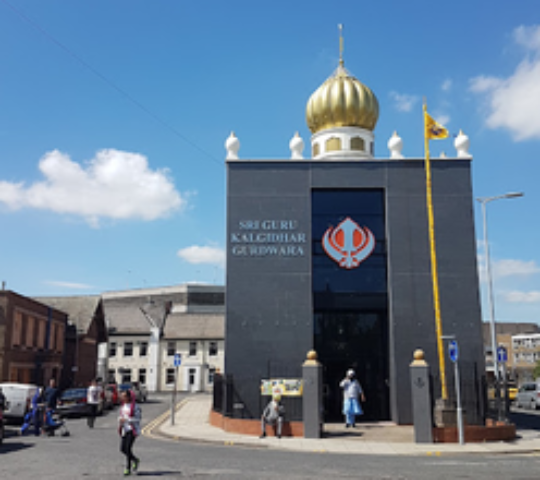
484	201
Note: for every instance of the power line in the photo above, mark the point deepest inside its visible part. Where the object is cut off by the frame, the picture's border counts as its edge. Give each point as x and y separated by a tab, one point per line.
110	83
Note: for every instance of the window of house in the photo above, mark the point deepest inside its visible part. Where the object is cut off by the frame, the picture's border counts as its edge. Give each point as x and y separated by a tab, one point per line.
126	375
52	337
212	348
41	334
169	380
29	341
192	349
211	373
128	349
17	329
111	375
171	348
142	376
29	331
112	349
60	339
143	349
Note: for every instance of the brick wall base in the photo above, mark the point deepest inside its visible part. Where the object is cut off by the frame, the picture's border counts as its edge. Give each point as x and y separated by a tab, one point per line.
253	427
475	433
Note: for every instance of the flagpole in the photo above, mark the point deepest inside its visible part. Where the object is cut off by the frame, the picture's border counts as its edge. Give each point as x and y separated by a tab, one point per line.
434	273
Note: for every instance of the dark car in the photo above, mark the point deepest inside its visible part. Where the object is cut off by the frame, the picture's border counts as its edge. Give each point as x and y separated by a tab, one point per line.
73	402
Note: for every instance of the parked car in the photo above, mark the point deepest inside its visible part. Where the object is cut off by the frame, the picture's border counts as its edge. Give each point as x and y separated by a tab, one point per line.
528	396
140	392
1	423
72	402
138	389
18	397
107	398
115	397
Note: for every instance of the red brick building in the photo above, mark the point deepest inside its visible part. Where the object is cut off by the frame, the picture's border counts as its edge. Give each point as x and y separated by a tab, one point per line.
32	340
86	330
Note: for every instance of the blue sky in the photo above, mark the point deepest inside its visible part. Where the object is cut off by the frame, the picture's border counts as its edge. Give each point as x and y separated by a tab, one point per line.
113	117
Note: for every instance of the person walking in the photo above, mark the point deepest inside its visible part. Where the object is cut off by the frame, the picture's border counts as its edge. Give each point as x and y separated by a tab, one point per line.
351	391
50	396
129	426
93	396
273	415
34	415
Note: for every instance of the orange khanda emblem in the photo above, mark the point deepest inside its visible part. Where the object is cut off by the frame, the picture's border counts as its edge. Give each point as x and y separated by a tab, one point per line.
348	244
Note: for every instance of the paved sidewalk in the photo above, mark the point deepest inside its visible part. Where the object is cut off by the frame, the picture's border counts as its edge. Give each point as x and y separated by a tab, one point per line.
191	423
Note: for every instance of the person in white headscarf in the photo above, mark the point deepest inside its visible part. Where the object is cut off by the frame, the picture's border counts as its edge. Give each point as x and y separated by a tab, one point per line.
351	391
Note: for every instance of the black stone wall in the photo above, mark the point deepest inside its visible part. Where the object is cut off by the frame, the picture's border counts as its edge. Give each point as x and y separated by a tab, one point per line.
269	319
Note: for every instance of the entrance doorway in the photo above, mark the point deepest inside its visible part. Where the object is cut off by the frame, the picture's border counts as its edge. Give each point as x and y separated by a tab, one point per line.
350	296
357	340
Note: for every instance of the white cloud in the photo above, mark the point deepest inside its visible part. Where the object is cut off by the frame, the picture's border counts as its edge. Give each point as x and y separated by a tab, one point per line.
71	285
443	119
505	268
203	255
513	103
113	185
512	268
446	85
516	296
482	84
404	102
528	37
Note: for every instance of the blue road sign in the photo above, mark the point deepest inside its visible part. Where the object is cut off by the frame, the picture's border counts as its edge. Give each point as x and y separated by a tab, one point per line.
502	355
177	359
453	351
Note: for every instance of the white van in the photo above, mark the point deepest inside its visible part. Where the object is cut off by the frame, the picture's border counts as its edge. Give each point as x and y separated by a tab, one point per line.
528	396
18	397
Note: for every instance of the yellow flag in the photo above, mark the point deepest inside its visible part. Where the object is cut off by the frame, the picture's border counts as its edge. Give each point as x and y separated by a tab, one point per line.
433	129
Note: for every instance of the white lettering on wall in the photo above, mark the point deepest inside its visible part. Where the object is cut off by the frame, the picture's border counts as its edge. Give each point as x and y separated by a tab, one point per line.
267	238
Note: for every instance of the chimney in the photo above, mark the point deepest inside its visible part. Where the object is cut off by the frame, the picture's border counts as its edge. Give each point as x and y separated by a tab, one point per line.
3	284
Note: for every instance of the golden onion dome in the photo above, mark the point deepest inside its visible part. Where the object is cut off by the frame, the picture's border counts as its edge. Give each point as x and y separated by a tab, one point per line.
342	101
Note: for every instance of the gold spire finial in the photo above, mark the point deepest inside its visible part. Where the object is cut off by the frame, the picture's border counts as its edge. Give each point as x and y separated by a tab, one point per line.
340	26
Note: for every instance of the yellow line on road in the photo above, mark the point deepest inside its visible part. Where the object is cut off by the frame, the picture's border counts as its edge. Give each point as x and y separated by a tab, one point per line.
147	431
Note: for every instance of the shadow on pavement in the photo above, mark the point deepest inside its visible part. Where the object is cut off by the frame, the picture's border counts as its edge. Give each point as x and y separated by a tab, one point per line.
11	432
8	447
159	473
525	421
338	434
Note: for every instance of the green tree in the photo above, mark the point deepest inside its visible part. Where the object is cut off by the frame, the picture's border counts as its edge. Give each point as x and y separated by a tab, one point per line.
536	371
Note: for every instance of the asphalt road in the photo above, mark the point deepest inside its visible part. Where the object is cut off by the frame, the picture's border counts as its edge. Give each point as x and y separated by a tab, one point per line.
93	454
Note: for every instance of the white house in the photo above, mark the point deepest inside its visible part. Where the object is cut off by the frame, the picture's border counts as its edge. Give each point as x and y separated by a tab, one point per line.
148	326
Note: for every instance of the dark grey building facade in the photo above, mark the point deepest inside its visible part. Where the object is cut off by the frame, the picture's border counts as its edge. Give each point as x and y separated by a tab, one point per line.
291	286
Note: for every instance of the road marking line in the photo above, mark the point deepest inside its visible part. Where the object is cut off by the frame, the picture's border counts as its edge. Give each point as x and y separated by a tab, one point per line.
148	430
